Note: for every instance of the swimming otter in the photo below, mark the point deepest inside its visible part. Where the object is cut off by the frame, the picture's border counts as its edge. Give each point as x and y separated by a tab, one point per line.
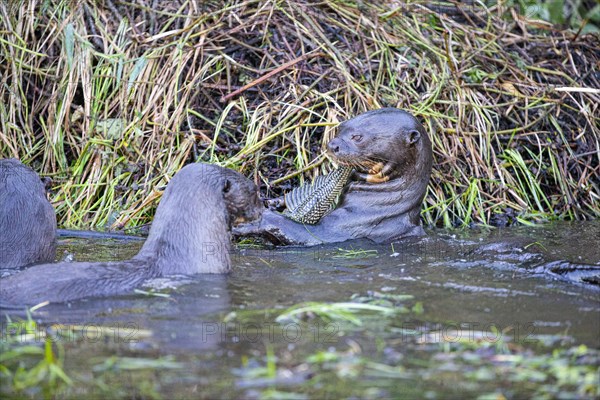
392	157
189	235
27	219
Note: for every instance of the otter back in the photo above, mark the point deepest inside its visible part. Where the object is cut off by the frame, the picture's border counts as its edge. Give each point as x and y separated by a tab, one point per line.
27	219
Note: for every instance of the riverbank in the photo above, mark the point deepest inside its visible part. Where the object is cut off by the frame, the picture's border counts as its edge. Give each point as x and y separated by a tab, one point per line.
111	99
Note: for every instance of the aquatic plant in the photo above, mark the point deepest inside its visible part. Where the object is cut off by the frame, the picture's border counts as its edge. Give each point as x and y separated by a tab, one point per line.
354	253
32	360
332	311
24	366
477	364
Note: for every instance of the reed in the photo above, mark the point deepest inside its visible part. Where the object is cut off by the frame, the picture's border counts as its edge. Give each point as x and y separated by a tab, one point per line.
110	98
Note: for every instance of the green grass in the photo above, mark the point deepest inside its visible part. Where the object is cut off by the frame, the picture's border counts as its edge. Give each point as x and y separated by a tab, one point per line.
24	365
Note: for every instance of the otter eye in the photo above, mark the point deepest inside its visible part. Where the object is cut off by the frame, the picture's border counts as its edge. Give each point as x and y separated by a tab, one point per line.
356	138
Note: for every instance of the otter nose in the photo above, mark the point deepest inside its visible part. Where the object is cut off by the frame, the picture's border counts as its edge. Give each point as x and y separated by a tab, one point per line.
334	145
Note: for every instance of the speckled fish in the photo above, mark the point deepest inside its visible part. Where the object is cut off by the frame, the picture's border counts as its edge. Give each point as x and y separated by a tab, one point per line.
307	204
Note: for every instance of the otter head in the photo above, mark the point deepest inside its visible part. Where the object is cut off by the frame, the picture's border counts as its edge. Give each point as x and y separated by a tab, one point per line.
241	198
383	145
190	231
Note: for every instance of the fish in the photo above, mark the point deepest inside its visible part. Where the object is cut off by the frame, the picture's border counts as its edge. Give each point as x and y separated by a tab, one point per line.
307	204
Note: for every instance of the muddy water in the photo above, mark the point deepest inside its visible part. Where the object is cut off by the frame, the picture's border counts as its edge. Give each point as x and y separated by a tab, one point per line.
495	283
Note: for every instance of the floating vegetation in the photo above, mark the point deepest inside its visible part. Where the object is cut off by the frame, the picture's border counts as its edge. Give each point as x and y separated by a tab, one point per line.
473	369
389	300
24	365
365	361
354	253
32	358
334	311
152	293
137	363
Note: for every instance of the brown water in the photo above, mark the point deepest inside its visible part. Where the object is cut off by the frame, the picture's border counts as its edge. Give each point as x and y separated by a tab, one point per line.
471	284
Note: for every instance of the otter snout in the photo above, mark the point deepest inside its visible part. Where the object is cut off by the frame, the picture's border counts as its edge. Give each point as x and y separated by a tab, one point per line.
341	150
334	146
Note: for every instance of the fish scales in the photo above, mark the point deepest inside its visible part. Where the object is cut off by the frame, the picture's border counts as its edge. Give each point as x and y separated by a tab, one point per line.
307	204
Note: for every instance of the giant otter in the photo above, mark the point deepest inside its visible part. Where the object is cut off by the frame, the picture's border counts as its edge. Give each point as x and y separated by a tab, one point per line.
392	156
27	219
189	235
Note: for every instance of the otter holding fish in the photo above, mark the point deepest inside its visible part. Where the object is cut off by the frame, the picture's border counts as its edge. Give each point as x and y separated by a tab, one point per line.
391	155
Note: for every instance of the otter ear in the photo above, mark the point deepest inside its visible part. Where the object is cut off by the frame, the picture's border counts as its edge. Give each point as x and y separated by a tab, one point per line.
226	186
47	182
413	136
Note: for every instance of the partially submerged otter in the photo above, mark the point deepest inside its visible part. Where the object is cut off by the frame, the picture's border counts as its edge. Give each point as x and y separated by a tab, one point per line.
189	235
27	219
391	154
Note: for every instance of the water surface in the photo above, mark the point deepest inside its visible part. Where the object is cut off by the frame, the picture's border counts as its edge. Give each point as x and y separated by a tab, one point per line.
216	336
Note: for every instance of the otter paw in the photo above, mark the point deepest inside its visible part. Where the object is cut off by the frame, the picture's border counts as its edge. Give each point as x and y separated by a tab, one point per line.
244	229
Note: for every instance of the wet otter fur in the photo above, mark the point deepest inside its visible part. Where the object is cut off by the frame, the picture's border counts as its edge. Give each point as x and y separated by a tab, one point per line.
189	235
392	155
27	219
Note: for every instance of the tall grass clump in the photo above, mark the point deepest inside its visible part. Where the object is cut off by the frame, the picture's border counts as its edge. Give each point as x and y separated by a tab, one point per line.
110	98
